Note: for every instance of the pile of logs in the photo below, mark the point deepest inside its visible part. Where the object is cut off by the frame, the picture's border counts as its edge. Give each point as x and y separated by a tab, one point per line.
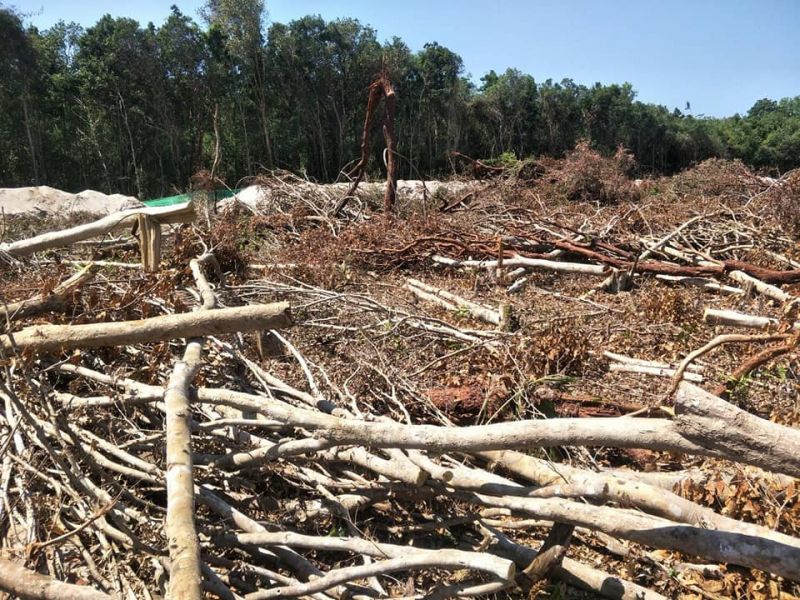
221	485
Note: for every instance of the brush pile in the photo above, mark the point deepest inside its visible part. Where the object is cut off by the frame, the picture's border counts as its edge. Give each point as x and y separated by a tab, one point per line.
513	390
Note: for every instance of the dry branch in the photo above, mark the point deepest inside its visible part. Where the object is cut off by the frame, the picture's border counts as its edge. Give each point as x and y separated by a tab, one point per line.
620	432
50	301
500	568
680	374
47	338
731	318
573	571
755	361
380	88
30	585
656	532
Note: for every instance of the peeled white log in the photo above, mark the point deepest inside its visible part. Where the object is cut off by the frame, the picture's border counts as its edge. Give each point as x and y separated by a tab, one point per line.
452	301
731	318
766	289
45	338
652	370
530	263
721	426
704	282
180	213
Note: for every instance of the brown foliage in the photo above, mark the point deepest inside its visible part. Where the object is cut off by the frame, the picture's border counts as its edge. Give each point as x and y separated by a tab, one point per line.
726	179
585	175
784	200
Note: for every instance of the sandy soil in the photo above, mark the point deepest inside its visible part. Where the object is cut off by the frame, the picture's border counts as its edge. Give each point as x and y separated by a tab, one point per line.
44	199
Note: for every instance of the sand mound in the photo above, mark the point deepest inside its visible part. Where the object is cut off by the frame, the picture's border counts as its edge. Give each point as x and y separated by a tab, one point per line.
44	199
260	196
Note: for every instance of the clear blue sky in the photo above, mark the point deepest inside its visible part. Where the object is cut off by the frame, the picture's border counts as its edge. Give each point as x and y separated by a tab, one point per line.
719	55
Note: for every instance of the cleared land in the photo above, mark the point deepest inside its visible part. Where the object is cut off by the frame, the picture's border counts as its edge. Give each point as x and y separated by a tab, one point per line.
559	382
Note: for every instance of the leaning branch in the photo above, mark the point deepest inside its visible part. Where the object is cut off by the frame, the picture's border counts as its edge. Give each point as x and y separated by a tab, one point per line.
50	301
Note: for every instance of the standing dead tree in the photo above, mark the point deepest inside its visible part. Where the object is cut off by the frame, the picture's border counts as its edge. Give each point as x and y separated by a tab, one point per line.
380	88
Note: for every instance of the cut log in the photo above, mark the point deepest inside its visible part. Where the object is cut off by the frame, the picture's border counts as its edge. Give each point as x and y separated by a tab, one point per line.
766	289
46	338
181	213
731	318
452	301
717	425
25	584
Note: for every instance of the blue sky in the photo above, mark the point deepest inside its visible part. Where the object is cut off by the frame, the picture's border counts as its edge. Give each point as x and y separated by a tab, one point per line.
721	56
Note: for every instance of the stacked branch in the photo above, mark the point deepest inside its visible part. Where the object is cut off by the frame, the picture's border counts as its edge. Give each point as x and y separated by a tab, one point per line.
136	465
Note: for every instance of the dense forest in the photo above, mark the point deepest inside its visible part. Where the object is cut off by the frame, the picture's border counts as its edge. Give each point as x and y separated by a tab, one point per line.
122	107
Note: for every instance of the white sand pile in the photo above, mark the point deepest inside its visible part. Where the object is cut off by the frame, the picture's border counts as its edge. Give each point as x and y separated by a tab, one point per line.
260	197
47	200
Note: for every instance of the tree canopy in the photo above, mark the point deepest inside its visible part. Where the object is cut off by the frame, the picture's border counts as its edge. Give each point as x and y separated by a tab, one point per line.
123	107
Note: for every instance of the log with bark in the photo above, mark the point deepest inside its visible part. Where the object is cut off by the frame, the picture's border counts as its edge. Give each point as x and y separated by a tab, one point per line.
51	338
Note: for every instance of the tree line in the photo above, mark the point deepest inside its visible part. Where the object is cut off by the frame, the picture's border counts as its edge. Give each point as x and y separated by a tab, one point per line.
122	107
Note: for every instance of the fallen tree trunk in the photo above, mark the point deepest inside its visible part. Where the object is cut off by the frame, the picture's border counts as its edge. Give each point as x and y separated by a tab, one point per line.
46	338
182	213
25	584
185	577
720	426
